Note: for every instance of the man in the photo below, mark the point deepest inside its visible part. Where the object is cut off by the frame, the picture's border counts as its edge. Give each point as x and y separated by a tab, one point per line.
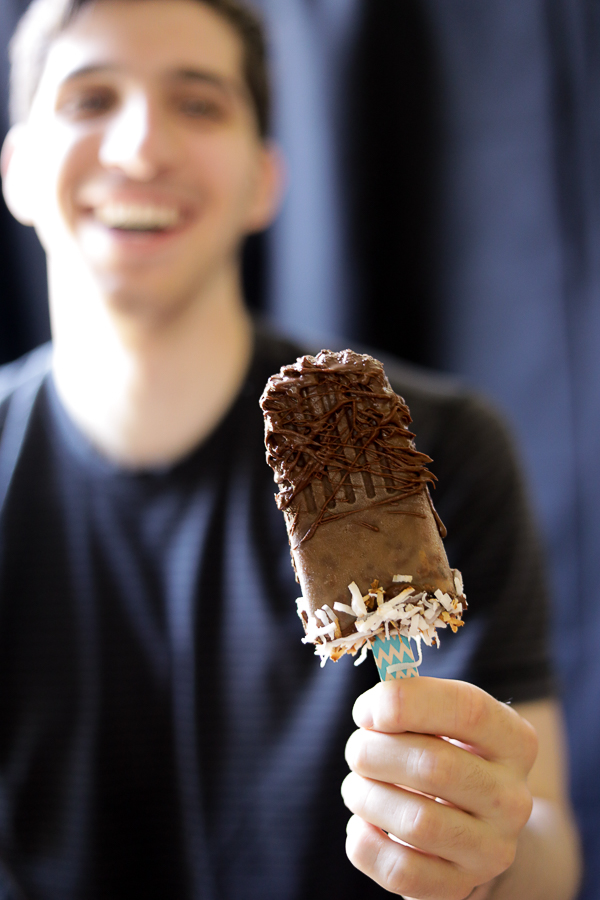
163	731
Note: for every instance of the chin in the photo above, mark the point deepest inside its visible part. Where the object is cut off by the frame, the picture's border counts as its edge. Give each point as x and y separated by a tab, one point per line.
145	306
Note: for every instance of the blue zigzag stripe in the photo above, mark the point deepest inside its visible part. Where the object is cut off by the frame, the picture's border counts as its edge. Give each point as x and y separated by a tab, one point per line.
395	652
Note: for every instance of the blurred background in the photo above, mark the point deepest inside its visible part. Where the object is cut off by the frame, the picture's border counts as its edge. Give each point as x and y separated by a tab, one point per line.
443	206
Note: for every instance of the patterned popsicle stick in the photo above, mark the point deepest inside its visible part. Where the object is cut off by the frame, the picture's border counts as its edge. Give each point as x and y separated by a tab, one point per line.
395	658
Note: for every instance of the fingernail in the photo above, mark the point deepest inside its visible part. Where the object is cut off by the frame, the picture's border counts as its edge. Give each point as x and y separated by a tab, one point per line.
362	712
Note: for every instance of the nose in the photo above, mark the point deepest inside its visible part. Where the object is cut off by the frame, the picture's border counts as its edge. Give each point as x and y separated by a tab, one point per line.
138	141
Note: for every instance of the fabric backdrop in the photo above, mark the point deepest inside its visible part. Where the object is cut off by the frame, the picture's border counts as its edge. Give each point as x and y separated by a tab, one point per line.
443	204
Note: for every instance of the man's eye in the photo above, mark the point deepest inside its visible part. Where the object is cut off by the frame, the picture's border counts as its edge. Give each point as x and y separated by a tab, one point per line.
201	108
88	103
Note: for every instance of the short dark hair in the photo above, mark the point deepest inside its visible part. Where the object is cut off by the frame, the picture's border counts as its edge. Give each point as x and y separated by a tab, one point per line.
44	21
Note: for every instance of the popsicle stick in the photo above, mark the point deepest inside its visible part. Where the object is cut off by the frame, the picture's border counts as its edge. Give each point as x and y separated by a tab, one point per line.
395	658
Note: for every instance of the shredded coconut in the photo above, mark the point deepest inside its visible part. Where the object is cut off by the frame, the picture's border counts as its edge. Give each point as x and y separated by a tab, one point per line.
358	604
302	606
412	613
363	654
458	582
343	607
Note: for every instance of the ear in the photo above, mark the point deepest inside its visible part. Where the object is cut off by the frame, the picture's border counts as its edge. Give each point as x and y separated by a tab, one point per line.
17	174
269	188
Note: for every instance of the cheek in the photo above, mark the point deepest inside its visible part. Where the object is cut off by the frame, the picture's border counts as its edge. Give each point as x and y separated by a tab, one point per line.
76	163
66	163
228	176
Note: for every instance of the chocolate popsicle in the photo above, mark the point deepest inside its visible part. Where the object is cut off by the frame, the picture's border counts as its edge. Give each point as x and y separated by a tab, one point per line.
365	540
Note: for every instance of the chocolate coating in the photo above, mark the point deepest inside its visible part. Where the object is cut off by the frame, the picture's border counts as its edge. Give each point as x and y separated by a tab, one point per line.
352	486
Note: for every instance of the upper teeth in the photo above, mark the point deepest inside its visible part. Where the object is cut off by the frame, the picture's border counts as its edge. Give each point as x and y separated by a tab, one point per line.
137	216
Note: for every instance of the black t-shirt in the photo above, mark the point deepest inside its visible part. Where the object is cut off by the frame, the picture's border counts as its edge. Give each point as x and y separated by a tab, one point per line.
164	733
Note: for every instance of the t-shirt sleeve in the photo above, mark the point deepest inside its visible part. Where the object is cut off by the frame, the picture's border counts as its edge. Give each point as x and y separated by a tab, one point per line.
493	540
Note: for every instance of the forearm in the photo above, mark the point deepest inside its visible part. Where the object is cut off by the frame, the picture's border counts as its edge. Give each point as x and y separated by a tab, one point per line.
547	865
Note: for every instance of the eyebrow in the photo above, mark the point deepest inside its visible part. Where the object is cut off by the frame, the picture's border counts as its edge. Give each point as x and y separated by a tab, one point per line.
198	76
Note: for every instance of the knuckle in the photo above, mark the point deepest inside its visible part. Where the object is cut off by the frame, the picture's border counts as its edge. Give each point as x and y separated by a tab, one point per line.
388	712
370	789
462	891
365	797
521	806
419	825
514	805
399	875
504	856
436	767
460	837
355	848
474	708
357	751
507	854
480	780
355	792
363	848
425	828
530	744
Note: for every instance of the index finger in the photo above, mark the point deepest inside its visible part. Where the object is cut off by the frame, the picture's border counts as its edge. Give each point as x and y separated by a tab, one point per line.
453	709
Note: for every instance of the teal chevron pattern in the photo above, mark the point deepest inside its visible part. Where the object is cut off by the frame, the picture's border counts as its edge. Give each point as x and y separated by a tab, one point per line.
394	658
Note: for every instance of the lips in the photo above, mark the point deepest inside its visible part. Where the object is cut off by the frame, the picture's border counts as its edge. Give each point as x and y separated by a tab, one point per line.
138	216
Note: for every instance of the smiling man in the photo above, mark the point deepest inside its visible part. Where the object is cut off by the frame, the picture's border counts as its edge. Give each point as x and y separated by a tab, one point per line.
152	172
163	732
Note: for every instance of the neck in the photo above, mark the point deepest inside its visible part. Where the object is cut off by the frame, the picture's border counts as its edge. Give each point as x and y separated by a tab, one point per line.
146	392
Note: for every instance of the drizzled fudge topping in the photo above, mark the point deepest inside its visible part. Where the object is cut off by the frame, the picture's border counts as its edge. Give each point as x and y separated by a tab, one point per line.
334	420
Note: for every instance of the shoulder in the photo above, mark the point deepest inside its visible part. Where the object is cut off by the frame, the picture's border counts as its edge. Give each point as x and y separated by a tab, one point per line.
274	350
28	367
441	405
475	456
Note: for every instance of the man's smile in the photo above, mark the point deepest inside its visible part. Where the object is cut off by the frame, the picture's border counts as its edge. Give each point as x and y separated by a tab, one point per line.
138	216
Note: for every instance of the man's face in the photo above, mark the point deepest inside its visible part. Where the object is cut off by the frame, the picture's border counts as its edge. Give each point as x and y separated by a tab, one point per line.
142	151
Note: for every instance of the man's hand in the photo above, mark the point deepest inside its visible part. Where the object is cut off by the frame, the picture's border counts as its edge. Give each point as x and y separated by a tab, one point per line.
459	802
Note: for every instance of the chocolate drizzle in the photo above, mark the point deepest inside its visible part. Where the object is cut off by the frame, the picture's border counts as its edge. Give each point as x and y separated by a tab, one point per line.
337	435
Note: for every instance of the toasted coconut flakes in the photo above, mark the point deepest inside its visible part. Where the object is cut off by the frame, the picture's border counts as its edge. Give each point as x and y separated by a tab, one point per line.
398	578
363	654
458	582
322	616
358	604
343	607
302	606
326	631
378	595
409	614
452	621
334	619
445	599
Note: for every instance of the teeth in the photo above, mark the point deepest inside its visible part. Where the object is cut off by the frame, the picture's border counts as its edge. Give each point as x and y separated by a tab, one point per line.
137	216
